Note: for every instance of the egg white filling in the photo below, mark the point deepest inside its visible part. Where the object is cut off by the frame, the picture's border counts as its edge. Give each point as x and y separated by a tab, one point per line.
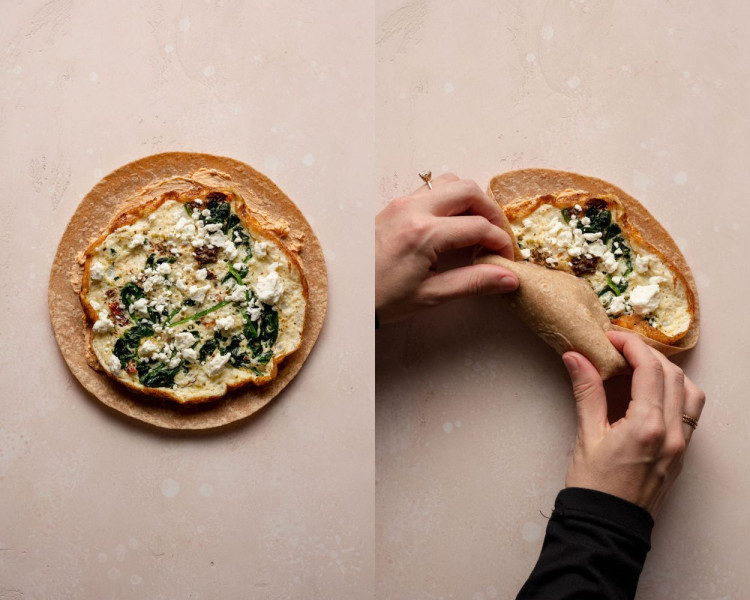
628	279
190	299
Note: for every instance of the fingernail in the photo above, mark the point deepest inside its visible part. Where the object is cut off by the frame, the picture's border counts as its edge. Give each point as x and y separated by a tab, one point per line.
570	363
507	284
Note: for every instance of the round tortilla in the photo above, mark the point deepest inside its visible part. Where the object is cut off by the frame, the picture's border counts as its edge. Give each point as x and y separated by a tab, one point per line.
530	183
106	199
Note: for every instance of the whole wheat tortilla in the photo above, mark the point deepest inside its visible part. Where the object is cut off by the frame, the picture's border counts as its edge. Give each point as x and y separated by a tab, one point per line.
273	209
549	313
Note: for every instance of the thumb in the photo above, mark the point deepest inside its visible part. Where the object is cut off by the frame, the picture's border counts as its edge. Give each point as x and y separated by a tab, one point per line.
474	280
588	389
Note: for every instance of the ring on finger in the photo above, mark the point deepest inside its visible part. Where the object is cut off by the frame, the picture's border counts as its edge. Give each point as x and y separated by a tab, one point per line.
426	176
690	421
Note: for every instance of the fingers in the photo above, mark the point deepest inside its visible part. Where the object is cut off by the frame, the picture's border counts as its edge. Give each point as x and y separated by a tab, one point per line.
695	399
475	280
461	196
647	387
674	401
460	232
591	400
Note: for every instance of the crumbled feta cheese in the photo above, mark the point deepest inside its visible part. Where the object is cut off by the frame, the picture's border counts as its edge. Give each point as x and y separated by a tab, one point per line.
183	340
103	325
173	362
141	305
528	223
231	250
198	294
578	207
201	274
254	312
159	308
656	280
565	238
198	201
610	262
95	305
238	293
237	266
641	263
97	270
137	240
163	268
618	252
206	213
590	237
617	279
225	323
216	364
644	298
213	227
597	248
148	348
114	365
551	260
526	253
556	226
585	221
181	284
575	251
616	306
189	354
269	288
260	248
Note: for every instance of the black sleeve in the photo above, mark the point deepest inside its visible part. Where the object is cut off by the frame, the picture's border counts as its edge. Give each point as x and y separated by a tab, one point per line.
594	548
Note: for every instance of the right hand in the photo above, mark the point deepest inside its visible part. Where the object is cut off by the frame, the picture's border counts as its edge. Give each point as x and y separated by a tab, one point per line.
413	230
638	457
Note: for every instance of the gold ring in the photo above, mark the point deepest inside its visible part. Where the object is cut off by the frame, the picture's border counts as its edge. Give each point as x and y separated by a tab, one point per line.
690	421
426	176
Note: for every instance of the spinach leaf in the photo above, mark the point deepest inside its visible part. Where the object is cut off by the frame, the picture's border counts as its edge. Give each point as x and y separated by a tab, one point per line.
187	209
126	346
130	292
613	230
220	212
617	290
166	259
566	214
157	374
237	358
599	221
207	349
232	221
269	325
200	314
150	261
265	357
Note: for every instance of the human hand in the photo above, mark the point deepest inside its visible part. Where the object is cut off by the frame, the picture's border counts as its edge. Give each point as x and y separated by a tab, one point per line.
413	230
638	457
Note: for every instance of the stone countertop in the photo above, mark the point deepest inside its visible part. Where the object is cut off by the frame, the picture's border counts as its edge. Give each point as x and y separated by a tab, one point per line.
475	418
92	504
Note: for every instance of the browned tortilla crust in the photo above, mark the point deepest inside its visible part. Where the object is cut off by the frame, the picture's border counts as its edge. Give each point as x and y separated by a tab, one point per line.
530	183
116	193
136	211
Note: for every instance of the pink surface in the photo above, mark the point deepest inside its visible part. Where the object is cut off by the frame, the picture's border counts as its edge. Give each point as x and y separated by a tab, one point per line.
93	505
475	419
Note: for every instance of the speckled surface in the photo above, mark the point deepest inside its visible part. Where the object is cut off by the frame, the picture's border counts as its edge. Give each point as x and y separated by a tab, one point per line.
93	505
475	420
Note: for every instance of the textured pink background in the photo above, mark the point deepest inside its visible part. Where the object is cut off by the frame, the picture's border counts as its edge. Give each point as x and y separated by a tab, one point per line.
93	505
475	419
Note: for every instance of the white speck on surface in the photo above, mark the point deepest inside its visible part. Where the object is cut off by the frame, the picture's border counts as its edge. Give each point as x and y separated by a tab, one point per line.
491	591
717	228
17	70
602	123
93	76
680	178
308	160
169	48
449	88
644	145
170	488
133	543
89	150
270	162
457	423
574	82
735	226
209	71
206	490
696	90
531	531
120	552
547	32
136	579
447	427
625	69
641	180
184	25
686	74
531	57
671	31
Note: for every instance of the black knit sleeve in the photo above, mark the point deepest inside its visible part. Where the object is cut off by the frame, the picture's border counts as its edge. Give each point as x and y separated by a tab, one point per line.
594	548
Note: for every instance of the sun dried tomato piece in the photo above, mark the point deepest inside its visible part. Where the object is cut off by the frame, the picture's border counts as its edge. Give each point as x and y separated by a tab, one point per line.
584	266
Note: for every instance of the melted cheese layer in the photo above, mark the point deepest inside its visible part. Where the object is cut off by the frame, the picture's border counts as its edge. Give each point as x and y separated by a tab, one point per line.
176	288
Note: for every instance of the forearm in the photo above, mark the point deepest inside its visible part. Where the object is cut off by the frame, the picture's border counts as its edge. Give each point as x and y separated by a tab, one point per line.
594	548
